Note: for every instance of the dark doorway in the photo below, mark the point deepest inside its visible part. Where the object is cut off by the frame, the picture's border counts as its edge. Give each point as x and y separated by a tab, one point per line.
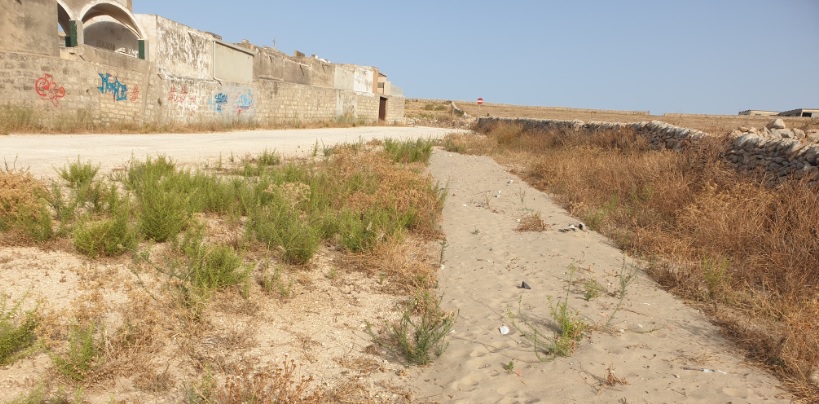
382	109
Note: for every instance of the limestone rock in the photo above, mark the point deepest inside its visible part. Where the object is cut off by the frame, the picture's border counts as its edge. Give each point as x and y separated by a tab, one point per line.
777	123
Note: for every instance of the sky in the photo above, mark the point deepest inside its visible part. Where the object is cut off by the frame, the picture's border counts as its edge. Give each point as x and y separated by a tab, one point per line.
661	56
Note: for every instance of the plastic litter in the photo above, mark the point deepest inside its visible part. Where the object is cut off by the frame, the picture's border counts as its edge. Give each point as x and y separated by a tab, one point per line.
524	285
503	330
705	370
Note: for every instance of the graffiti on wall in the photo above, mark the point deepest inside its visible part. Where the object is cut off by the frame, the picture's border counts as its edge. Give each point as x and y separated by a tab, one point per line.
183	99
239	102
118	90
46	88
244	102
135	93
219	102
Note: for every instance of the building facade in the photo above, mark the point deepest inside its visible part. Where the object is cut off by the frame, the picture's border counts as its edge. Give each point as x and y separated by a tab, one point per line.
97	58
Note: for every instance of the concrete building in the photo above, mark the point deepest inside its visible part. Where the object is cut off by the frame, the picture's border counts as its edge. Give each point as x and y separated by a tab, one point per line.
98	58
803	112
756	112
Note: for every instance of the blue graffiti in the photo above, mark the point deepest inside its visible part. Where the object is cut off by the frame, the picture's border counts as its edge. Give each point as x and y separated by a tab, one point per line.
119	90
219	102
245	101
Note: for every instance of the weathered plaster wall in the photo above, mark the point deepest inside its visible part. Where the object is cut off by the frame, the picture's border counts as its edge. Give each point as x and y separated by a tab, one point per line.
29	26
231	63
106	33
188	76
178	50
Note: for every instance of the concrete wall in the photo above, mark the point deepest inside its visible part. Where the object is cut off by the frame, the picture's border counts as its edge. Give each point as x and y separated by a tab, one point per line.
107	33
188	76
231	63
29	26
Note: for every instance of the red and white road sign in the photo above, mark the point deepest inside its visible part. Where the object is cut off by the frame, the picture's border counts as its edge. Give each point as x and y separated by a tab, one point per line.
480	101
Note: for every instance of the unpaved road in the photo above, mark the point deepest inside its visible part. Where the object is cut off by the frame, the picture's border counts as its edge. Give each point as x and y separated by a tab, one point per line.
43	154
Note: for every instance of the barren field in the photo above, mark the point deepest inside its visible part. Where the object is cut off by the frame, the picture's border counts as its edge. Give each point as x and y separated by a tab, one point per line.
545	309
714	124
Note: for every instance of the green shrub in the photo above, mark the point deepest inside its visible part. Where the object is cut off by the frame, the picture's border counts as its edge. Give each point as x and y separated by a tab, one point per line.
16	331
82	355
409	151
79	174
215	267
109	237
279	226
36	223
163	214
419	335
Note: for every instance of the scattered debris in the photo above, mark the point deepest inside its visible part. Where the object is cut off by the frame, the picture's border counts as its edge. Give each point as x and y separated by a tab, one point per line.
524	285
503	330
705	370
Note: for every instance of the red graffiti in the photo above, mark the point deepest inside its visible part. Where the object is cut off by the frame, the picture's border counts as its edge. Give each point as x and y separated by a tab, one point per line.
135	93
47	88
178	97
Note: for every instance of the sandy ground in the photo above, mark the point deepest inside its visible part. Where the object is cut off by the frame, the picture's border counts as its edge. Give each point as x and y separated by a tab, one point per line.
655	345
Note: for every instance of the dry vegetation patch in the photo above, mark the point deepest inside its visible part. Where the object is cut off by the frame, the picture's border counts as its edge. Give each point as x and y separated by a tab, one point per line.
253	283
745	253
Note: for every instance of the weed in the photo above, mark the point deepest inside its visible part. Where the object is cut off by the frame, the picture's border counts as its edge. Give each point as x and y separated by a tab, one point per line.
716	277
418	336
409	151
509	367
625	277
78	174
451	144
611	380
108	237
273	282
268	158
16	331
532	222
570	327
163	214
278	226
283	384
591	289
82	356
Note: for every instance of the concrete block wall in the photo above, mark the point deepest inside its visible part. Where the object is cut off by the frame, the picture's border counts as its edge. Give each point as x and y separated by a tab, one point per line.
177	82
57	87
778	158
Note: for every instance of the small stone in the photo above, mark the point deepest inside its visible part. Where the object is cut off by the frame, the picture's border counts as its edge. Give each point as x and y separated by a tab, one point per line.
777	123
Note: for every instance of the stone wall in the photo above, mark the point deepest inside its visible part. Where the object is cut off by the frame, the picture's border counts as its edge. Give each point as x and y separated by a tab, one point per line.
775	150
178	83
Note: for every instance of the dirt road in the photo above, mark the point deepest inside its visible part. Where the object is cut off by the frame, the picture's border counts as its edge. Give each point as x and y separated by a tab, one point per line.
41	154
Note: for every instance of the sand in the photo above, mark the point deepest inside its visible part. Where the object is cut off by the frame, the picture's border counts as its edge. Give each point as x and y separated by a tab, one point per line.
653	350
661	350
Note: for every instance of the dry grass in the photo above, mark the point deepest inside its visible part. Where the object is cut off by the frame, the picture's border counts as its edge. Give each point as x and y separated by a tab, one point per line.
26	120
714	124
744	251
172	340
532	222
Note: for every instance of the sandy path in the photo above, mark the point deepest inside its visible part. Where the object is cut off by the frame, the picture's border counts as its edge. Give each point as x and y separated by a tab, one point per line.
653	342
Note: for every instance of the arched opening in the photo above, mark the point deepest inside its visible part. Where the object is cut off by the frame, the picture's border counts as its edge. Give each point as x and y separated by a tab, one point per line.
63	26
110	26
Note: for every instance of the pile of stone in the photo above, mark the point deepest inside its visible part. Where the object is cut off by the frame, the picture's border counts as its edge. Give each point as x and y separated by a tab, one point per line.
776	149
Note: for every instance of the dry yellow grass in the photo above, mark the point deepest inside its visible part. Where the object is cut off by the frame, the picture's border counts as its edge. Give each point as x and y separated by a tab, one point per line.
714	124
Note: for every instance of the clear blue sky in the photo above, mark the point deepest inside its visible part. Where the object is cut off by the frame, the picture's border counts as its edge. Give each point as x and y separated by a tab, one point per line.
692	56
